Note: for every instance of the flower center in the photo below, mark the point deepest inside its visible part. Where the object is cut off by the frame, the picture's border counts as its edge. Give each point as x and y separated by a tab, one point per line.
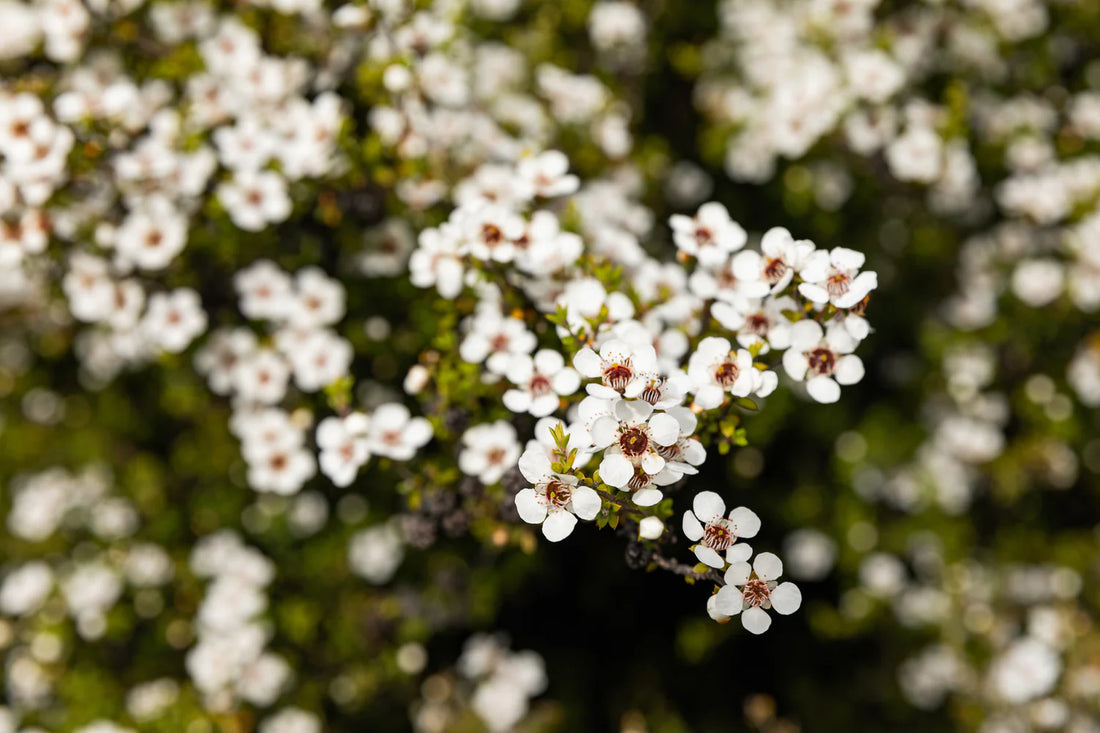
491	234
717	536
758	324
499	343
726	373
756	592
618	375
496	456
558	494
822	361
703	236
633	442
652	391
837	284
640	480
539	385
774	270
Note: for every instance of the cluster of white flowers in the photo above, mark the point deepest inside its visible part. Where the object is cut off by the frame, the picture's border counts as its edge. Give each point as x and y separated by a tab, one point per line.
496	683
229	662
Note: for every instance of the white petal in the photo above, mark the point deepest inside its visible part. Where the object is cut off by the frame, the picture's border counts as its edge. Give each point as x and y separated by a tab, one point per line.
806	335
530	509
616	470
849	369
693	530
534	464
728	601
652	463
566	382
768	566
712	609
815	293
604	431
709	557
756	620
647	497
738	573
709	397
558	526
517	400
786	598
663	429
824	390
548	361
650	528
794	362
588	363
739	552
746	522
586	502
708	506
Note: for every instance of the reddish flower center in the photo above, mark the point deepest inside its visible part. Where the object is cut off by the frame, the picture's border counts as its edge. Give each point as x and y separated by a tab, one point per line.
618	375
558	493
640	480
539	385
726	373
703	236
822	361
717	536
756	592
491	234
837	284
758	324
499	343
496	456
774	270
652	391
633	442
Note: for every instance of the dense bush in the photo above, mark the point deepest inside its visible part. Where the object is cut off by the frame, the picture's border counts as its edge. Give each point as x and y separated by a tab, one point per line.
550	365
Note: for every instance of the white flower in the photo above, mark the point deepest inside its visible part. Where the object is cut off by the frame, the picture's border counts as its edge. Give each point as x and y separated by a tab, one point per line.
834	277
916	155
488	451
1028	669
174	319
496	340
255	199
266	292
395	434
632	438
555	498
152	237
715	369
490	231
343	444
437	262
706	524
749	591
320	299
710	236
650	528
548	174
621	369
375	553
823	359
779	258
539	381
261	377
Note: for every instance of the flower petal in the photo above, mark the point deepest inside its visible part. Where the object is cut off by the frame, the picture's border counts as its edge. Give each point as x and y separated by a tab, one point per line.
786	598
693	530
708	506
616	470
768	566
558	526
756	620
738	573
530	509
586	502
745	521
728	601
534	464
709	557
647	497
824	390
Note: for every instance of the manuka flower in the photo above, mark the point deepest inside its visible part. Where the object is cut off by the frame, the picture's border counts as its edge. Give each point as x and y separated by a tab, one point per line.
715	533
556	500
751	591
